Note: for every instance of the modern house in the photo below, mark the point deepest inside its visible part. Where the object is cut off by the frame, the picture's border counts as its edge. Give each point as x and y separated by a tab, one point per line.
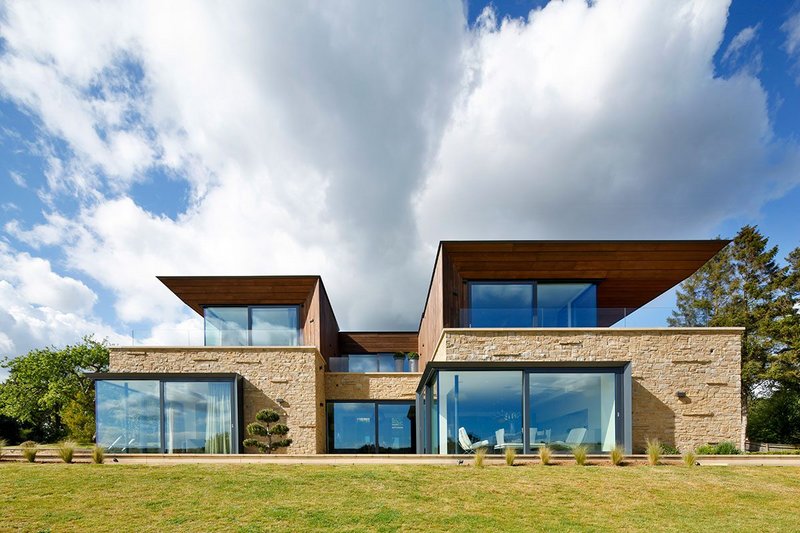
521	344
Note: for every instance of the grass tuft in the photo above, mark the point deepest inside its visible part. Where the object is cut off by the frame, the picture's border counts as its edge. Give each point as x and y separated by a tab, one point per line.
653	449
511	455
98	454
689	458
617	455
29	450
579	452
66	450
480	455
545	453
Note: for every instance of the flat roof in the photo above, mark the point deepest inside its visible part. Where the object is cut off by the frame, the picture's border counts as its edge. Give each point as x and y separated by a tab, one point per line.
197	291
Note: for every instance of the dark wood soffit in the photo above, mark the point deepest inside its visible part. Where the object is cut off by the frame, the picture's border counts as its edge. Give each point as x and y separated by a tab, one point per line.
630	273
378	341
197	291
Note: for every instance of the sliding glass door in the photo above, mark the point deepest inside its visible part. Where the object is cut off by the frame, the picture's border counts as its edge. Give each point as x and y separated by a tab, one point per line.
167	415
572	408
523	409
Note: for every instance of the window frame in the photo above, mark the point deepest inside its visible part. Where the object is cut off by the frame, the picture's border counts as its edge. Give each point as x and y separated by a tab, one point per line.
534	283
297	307
236	399
329	437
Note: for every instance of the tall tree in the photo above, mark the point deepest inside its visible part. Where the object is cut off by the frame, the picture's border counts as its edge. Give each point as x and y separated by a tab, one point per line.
705	293
744	286
783	370
47	386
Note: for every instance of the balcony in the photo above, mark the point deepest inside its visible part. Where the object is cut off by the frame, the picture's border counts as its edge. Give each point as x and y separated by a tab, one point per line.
207	337
564	317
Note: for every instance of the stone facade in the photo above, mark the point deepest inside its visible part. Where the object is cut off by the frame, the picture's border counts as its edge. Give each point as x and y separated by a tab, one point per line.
705	363
371	386
295	375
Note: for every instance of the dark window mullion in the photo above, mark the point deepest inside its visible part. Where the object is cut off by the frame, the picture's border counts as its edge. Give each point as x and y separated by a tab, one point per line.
377	447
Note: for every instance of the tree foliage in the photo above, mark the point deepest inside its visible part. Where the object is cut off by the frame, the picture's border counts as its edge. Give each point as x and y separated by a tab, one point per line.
47	391
267	427
745	286
775	418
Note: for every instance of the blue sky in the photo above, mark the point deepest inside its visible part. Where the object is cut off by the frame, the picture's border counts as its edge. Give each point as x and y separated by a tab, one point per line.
140	140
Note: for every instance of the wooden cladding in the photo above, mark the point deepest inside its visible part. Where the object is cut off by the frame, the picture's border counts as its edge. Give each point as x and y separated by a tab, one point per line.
378	341
197	291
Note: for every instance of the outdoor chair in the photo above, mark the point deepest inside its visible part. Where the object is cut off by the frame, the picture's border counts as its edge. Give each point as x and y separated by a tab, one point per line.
574	438
466	443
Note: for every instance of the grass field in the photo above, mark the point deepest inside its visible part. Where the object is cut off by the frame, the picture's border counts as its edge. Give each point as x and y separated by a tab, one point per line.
249	497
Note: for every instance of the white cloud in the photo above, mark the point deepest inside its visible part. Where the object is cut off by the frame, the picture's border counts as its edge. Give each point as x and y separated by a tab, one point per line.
792	44
18	179
792	29
601	122
41	308
735	52
347	139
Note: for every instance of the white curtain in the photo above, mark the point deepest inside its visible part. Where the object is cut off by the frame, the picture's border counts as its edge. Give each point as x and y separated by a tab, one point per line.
218	418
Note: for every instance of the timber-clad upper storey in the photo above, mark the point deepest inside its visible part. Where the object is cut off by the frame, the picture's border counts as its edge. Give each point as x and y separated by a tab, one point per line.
602	277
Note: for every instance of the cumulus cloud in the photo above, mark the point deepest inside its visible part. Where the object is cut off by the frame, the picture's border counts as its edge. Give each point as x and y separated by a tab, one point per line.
347	140
40	307
603	121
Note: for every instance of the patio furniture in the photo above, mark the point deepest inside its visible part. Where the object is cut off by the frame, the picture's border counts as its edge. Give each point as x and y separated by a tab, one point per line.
501	444
466	443
574	437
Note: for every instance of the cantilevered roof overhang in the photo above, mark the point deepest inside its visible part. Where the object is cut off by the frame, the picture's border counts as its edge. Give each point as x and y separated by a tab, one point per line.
628	273
198	291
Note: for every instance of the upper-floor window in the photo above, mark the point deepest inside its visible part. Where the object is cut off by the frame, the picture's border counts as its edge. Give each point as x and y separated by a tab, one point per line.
263	325
370	362
525	304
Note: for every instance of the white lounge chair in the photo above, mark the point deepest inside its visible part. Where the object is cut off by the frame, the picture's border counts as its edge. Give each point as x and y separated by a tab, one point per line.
467	445
574	437
501	444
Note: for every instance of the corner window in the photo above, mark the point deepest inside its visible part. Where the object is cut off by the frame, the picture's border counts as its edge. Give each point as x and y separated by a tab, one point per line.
272	325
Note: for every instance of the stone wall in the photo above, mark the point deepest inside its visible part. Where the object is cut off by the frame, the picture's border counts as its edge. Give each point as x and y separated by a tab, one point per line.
705	363
294	374
371	386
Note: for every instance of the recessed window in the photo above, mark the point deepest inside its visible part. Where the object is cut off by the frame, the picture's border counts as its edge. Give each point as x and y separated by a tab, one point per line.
371	427
273	325
525	304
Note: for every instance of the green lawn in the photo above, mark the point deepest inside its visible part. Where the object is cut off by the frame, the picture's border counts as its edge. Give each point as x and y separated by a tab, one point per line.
252	497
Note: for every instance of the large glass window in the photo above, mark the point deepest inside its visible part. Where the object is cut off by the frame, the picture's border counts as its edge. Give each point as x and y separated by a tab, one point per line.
487	405
226	326
525	304
566	305
396	428
500	305
197	417
371	427
368	362
470	409
567	409
273	325
128	416
166	416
